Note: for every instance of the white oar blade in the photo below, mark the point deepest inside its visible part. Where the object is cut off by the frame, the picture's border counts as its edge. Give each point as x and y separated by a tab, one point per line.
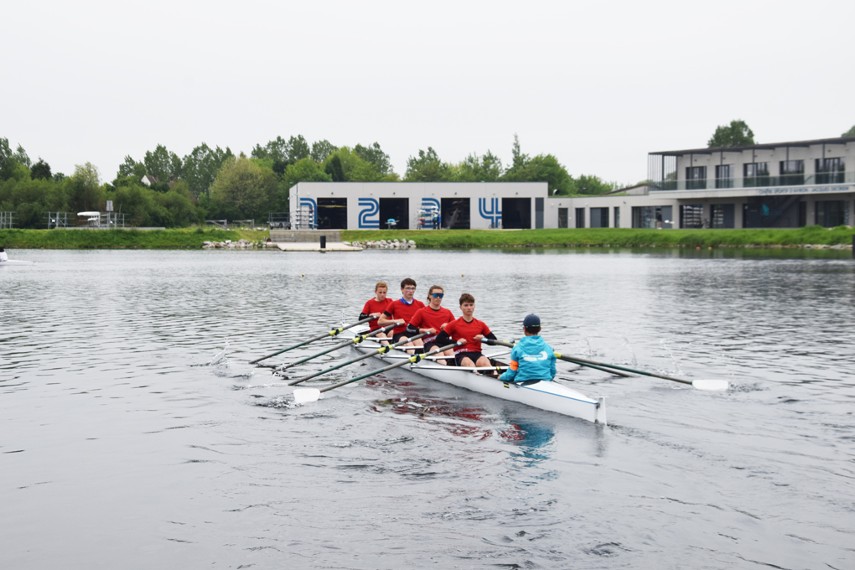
710	385
306	395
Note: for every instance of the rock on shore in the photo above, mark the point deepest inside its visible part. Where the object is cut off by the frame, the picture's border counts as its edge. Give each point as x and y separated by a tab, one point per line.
384	244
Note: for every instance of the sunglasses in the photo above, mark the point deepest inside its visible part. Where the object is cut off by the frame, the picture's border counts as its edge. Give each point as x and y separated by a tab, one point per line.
437	295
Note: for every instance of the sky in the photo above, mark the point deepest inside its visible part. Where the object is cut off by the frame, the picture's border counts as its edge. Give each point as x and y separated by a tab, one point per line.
599	85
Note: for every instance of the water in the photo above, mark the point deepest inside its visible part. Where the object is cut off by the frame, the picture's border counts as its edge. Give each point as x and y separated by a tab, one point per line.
128	438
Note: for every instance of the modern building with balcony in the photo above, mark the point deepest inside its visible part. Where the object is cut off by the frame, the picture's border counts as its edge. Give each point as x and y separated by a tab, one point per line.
777	185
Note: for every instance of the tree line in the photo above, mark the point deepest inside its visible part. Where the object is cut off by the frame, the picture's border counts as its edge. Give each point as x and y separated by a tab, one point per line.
164	189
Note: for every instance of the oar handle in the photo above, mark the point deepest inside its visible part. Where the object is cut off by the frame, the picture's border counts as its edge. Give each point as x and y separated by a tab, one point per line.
560	356
381	350
411	360
356	340
333	332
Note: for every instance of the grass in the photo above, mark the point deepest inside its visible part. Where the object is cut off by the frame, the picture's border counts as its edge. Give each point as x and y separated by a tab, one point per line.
612	237
184	238
193	238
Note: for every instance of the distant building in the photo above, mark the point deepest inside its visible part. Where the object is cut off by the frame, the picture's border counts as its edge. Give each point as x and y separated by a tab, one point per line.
780	185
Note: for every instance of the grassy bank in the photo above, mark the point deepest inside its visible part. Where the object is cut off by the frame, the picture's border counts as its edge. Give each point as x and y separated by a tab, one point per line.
185	238
193	238
611	237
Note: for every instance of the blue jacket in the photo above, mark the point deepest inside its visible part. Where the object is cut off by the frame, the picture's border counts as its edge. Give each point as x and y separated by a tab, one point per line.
531	359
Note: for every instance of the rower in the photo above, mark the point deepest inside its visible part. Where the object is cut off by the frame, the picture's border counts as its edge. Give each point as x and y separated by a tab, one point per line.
429	320
469	329
401	311
531	357
375	307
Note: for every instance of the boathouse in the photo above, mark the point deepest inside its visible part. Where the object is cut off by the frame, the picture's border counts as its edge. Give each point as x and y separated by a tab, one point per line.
776	185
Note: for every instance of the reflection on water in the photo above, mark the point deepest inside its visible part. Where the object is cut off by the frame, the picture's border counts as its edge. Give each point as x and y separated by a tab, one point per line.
122	433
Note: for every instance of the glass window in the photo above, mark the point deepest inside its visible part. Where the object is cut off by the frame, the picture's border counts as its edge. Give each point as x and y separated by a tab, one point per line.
723	176
792	172
696	177
829	170
756	174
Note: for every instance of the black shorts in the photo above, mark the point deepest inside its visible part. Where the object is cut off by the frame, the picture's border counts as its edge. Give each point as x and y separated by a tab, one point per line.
398	336
474	356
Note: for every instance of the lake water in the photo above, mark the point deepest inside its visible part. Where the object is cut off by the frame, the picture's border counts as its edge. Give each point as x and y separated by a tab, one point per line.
134	433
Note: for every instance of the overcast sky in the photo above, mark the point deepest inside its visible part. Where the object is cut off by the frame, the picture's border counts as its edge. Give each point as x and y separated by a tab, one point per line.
597	84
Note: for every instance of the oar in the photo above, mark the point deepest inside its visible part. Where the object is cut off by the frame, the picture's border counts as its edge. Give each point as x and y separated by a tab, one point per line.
306	395
381	350
333	332
711	385
355	340
560	357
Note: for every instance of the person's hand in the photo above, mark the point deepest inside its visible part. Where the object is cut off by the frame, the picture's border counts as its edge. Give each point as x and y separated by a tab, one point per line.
478	337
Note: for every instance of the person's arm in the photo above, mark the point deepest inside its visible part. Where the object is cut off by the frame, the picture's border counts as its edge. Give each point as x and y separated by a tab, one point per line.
386	319
513	367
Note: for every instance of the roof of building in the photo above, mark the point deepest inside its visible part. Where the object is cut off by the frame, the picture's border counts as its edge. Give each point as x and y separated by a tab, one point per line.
836	140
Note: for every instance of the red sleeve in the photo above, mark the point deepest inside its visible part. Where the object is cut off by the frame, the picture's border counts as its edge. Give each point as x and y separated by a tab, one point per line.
417	319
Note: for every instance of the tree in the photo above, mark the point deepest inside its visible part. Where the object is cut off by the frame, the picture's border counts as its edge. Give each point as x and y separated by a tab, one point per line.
243	189
427	167
321	150
130	168
849	133
737	133
305	170
201	167
374	154
41	170
84	188
474	168
162	166
11	161
542	168
283	153
592	185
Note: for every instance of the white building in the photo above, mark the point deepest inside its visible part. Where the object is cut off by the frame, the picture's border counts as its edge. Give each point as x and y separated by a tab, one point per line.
781	185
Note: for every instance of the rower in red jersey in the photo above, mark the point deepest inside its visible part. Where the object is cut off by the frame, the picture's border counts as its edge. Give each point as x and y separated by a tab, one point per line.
401	311
376	306
429	320
470	329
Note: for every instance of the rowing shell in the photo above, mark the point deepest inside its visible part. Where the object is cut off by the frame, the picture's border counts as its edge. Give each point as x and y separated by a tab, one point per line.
550	396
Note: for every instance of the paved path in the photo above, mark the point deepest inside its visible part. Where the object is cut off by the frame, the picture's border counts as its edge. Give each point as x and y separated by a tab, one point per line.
312	246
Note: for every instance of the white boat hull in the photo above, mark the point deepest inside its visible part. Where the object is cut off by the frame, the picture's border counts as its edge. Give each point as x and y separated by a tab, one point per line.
550	396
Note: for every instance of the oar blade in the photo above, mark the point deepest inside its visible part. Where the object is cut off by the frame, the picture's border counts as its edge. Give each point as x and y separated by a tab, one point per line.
710	385
306	395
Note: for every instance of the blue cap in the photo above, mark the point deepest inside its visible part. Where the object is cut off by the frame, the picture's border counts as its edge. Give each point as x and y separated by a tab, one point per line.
531	321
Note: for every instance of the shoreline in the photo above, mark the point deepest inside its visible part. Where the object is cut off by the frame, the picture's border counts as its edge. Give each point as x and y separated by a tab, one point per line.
809	238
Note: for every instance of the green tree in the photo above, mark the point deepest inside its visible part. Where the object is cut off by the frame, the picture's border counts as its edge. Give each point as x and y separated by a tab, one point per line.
41	170
84	188
283	153
542	168
243	189
474	168
427	167
305	170
374	155
11	161
849	133
201	167
593	185
321	150
130	168
162	166
736	134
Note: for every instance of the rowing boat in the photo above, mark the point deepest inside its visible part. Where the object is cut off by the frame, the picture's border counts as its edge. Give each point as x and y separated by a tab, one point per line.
546	395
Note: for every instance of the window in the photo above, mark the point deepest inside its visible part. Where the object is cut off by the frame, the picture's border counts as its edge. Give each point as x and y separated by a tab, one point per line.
829	170
831	213
723	176
696	177
792	172
580	217
599	217
756	174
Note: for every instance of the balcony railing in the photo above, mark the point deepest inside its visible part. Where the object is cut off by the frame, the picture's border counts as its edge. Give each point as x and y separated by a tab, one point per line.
758	181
